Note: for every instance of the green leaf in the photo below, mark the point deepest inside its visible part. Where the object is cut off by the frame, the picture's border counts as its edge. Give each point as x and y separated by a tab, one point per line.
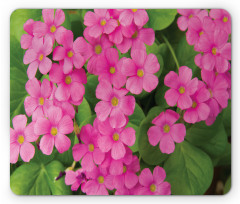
67	23
159	96
84	112
227	118
227	186
160	19
189	170
150	154
38	179
225	158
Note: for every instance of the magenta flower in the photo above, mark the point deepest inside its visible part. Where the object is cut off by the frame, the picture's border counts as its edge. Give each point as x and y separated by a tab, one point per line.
187	14
36	56
38	102
20	138
75	179
199	110
70	86
114	103
137	16
99	22
115	139
154	184
51	26
166	131
54	129
99	182
217	51
89	152
222	18
181	88
141	69
109	68
26	39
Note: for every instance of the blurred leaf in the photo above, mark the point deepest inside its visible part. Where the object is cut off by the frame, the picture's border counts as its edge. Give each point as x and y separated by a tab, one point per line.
227	186
227	118
225	158
159	96
84	111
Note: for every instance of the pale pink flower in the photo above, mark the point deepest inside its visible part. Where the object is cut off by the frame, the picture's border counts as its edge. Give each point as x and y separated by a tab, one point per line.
36	56
222	18
54	129
166	131
114	103
141	69
75	179
26	39
20	138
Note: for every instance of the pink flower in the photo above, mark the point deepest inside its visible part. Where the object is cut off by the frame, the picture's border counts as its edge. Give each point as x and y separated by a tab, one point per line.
89	152
115	139
38	102
26	39
98	183
36	56
166	131
199	110
68	53
137	16
51	26
153	184
54	129
75	179
141	69
222	18
109	68
114	103
70	86
99	22
20	138
188	14
217	51
181	88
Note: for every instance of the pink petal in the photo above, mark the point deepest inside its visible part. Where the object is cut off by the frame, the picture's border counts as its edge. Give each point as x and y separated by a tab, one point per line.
127	105
221	64
171	97
59	53
134	84
27	151
33	88
29	56
182	22
116	167
203	111
62	143
171	116
46	144
226	51
112	56
59	17
79	150
118	182
32	69
116	36
128	137
164	188
67	66
185	74
171	80
220	37
19	122
42	126
178	132
139	57
105	143
192	36
125	45
208	61
90	19
77	91
154	135
87	162
14	152
98	156
28	26
30	136
117	118
151	64
54	115
167	145
104	91
192	86
30	105
79	75
131	179
67	39
26	41
184	101
191	116
65	125
40	29
118	150
48	15
95	31
150	82
146	177
46	88
126	18
70	177
159	175
110	26
128	67
45	65
62	93
102	110
78	60
147	35
140	17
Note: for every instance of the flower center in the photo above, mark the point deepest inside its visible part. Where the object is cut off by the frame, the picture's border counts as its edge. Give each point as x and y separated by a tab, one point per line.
190	16
91	147
40	57
211	93
166	128
194	104
68	80
114	101
70	54
225	19
115	136
112	70
53	29
124	169
140	73
216	73
41	100
135	34
200	33
98	49
153	188
103	22
214	51
181	90
100	179
20	139
134	10
118	22
54	131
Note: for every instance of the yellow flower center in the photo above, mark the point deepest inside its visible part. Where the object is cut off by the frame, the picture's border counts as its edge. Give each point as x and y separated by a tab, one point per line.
40	57
140	73
20	139
91	147
181	90
124	169
70	54
112	70
134	10
214	51
41	100
114	101
216	73
100	179
68	80
200	33
76	128
53	29
118	22
98	49
54	131
194	104
153	188
166	128
211	93
135	34
115	136
103	22
225	19
190	16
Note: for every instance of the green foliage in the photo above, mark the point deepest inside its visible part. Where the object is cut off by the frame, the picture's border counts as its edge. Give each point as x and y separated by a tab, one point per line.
227	186
84	112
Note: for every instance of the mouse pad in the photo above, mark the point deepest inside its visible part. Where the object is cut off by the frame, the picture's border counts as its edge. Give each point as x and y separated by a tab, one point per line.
120	101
